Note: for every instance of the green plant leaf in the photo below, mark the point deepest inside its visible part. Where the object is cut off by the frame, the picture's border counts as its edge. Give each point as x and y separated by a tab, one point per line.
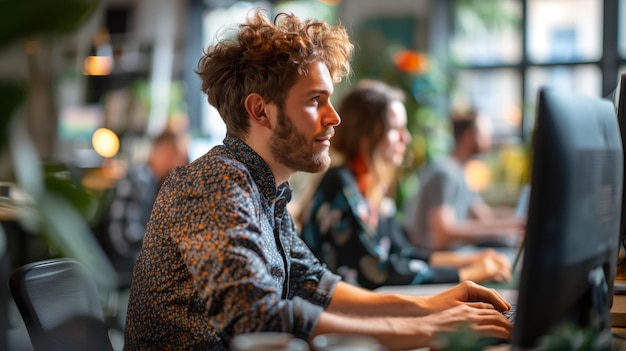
26	160
462	339
71	191
25	18
572	337
54	211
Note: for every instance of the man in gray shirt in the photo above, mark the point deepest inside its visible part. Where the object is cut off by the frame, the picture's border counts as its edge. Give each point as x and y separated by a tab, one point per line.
446	213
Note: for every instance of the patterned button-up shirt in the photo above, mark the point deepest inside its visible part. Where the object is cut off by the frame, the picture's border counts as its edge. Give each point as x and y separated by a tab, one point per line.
221	256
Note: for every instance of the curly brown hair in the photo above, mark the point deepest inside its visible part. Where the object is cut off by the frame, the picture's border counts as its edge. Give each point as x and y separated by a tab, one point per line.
266	58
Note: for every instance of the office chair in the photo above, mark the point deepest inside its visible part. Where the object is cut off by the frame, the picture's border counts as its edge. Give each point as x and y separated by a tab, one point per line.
59	303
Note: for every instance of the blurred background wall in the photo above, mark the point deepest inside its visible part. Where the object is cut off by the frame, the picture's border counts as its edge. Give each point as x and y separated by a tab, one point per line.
129	68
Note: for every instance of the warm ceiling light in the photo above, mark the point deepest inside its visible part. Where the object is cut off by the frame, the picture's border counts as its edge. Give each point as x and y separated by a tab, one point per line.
98	65
100	59
105	142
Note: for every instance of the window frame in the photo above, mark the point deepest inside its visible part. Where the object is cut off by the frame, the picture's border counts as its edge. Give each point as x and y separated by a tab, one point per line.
609	63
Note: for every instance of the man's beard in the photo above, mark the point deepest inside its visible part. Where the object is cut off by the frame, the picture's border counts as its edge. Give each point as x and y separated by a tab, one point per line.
293	150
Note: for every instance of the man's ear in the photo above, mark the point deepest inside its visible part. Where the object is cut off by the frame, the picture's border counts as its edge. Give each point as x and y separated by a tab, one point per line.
257	109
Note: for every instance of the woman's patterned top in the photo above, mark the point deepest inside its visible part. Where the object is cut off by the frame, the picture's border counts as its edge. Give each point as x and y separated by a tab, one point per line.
367	252
221	256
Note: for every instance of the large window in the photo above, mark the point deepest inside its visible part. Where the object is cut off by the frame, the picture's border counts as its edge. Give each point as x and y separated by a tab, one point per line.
564	30
502	51
484	36
566	44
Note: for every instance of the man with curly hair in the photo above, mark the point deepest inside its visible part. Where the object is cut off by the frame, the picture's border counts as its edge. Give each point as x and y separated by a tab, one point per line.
221	255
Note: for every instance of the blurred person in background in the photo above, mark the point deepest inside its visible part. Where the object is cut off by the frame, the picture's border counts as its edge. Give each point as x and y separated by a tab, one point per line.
350	222
445	213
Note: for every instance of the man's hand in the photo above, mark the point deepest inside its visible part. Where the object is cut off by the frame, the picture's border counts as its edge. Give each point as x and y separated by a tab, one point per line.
409	322
484	321
466	293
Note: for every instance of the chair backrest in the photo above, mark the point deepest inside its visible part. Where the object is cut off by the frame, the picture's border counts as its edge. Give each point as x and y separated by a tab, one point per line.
59	303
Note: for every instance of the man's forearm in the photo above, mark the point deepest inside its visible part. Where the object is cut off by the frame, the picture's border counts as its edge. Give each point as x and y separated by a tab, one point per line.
395	333
356	301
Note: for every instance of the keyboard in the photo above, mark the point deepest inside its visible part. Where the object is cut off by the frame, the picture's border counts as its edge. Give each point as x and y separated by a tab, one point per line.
511	314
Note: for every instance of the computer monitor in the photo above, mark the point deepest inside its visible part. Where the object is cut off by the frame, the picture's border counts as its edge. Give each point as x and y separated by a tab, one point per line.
621	118
572	229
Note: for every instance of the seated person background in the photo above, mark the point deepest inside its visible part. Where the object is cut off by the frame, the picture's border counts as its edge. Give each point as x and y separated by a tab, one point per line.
445	213
350	223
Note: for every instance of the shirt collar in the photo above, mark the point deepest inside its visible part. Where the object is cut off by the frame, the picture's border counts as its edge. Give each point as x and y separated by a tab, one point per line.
260	171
